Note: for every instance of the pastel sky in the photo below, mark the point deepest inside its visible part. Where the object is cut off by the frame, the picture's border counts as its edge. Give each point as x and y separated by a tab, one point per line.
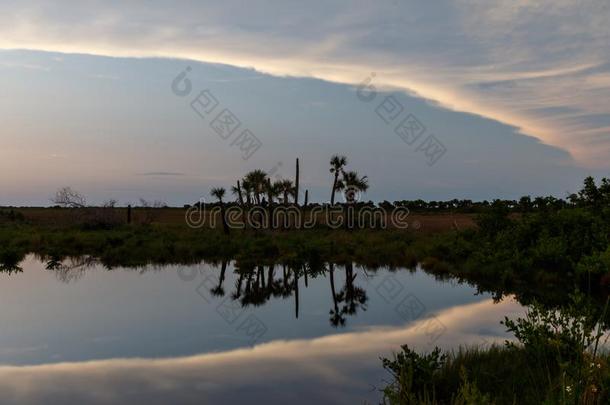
517	93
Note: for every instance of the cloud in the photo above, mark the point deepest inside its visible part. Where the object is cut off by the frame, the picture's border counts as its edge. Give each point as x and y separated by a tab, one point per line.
504	60
162	174
24	66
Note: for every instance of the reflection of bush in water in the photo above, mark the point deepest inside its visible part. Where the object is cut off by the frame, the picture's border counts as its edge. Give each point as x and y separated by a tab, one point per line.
9	261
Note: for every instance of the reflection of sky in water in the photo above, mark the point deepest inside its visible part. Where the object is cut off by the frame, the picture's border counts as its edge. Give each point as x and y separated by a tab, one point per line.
163	341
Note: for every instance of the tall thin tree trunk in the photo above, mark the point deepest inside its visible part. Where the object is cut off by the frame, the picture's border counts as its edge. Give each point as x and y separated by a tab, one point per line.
349	277
239	195
332	195
261	272
241	204
225	226
284	276
221	279
240	282
332	287
296	185
270	279
302	211
348	217
269	205
296	294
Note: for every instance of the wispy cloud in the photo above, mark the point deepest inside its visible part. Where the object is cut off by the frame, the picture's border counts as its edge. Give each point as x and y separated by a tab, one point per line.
162	174
504	60
28	66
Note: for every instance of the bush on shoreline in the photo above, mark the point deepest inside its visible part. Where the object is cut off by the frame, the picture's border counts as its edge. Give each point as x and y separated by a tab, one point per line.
557	359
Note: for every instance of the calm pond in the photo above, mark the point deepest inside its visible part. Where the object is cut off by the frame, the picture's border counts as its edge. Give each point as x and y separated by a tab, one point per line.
76	332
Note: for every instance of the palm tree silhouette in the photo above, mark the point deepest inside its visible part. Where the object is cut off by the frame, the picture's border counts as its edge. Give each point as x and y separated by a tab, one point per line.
337	163
355	297
247	190
236	190
285	188
336	316
219	193
219	290
257	179
354	184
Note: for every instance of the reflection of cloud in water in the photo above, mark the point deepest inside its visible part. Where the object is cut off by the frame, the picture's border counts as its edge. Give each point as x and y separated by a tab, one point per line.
338	368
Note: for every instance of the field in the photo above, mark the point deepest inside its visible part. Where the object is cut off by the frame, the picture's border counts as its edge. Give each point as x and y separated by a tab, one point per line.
422	223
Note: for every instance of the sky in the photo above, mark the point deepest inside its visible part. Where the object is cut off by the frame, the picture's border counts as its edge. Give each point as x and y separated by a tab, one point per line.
510	97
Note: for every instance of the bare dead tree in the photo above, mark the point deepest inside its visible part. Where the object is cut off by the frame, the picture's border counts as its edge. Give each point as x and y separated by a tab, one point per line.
104	216
71	269
68	198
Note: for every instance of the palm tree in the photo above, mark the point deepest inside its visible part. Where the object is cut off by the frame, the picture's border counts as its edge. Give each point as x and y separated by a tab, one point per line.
239	190
353	184
337	163
219	290
336	316
247	190
219	192
272	190
286	188
257	179
236	190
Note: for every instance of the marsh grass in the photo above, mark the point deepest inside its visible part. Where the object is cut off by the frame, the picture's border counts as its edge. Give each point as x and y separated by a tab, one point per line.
178	244
556	359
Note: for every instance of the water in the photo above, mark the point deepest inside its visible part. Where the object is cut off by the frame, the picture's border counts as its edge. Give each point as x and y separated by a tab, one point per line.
82	333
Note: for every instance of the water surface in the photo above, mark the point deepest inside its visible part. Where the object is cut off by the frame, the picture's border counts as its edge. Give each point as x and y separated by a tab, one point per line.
77	331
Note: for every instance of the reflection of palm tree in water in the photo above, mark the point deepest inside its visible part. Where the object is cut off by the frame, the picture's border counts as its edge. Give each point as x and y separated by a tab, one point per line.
240	281
258	284
254	287
219	290
256	290
336	317
351	296
354	296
